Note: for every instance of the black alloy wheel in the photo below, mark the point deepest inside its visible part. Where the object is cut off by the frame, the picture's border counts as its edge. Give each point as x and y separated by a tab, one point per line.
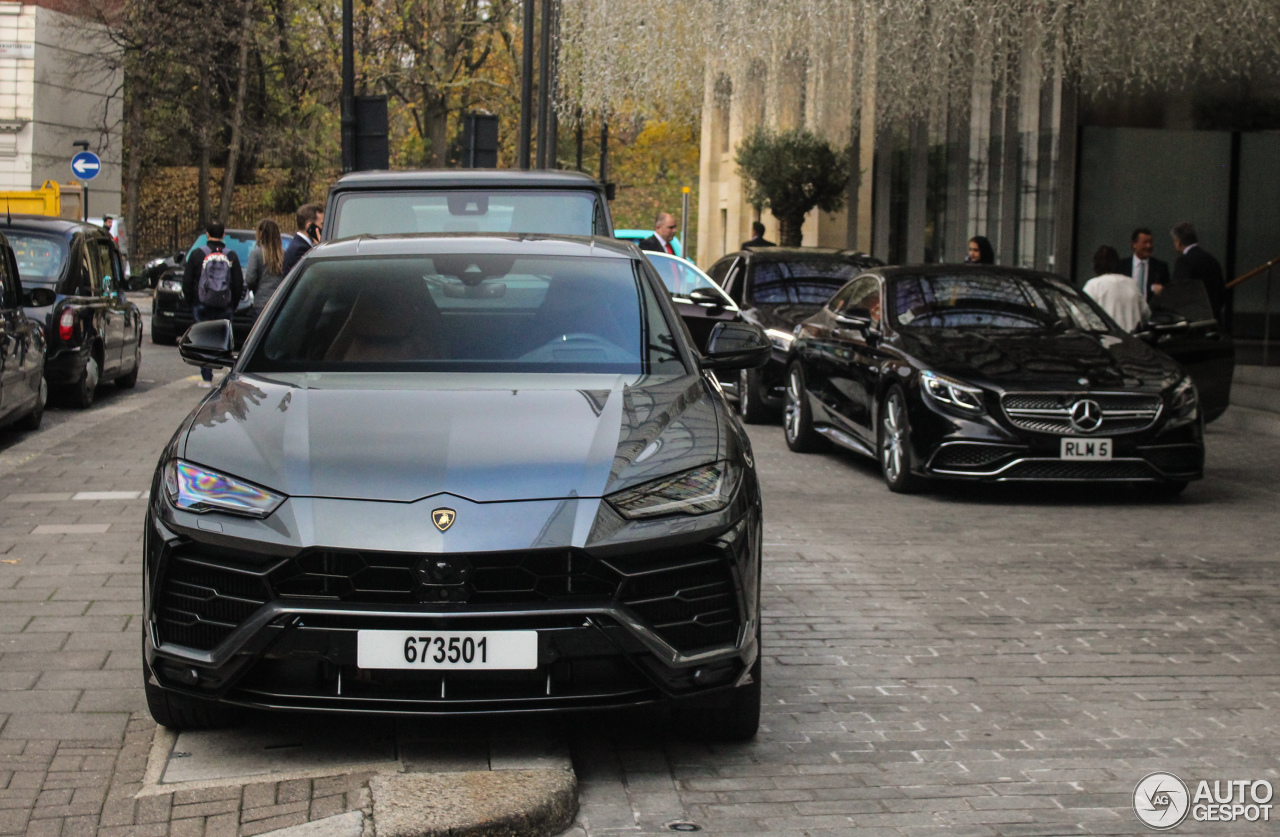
31	421
751	407
130	380
797	417
894	443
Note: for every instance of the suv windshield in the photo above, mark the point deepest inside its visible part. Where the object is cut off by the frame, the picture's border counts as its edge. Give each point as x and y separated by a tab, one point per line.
990	301
40	257
563	212
473	313
806	282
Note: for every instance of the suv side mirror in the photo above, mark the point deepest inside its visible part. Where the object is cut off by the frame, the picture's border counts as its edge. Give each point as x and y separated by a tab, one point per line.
610	191
706	297
734	345
38	297
210	343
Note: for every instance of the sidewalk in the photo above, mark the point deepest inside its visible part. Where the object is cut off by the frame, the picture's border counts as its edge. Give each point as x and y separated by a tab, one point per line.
80	752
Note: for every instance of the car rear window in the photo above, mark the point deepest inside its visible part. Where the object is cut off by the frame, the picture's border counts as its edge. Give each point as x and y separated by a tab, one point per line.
804	282
41	258
401	212
469	313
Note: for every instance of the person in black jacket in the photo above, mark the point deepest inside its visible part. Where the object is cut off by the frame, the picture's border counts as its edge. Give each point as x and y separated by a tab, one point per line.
664	229
757	237
191	285
1150	273
1194	263
310	225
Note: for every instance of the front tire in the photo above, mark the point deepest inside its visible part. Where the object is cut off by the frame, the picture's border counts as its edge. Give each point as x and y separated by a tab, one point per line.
31	421
130	380
797	416
179	712
751	407
734	715
82	392
894	444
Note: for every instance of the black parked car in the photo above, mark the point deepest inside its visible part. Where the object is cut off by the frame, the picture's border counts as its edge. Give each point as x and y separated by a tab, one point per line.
454	474
777	288
23	389
93	334
983	373
467	201
170	313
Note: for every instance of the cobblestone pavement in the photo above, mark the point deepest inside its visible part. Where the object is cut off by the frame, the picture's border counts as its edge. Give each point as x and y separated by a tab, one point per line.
969	662
983	661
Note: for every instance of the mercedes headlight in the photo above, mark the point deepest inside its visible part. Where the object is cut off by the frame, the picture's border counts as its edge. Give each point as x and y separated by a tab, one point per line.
780	339
171	285
1184	403
951	394
196	489
696	491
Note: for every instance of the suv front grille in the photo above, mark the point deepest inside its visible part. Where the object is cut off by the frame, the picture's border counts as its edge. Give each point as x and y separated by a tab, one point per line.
687	594
1050	412
201	604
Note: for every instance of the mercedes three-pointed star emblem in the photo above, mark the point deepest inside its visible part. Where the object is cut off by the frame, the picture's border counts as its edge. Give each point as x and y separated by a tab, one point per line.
1086	415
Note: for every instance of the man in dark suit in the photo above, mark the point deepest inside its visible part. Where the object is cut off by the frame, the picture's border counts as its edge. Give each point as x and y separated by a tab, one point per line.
310	224
757	237
1151	274
1195	264
664	229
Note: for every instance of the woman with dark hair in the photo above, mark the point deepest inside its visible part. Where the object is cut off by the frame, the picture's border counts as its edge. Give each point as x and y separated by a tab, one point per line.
980	251
1118	294
266	264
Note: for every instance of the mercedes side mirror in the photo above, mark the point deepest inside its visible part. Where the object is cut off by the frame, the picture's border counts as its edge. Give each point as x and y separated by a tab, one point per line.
38	297
736	345
210	343
855	317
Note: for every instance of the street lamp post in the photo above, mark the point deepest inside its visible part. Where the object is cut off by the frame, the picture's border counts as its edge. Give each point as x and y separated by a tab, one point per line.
348	90
525	140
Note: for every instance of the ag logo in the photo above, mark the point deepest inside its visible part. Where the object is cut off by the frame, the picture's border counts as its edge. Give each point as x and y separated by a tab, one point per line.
1161	801
443	518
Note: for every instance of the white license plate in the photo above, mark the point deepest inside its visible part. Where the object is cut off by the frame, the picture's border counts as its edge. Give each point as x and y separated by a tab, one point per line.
1087	449
447	649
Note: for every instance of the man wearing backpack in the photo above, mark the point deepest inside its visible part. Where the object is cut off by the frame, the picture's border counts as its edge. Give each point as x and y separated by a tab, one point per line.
212	284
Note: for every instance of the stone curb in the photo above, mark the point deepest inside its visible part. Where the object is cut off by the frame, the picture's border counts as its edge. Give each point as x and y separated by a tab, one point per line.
499	803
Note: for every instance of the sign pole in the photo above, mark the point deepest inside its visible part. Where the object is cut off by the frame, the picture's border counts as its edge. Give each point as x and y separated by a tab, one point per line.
684	222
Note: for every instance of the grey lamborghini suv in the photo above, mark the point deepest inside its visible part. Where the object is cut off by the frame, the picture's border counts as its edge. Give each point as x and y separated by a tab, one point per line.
460	474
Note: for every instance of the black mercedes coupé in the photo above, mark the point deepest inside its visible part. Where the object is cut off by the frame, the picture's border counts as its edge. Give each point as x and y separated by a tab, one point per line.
964	372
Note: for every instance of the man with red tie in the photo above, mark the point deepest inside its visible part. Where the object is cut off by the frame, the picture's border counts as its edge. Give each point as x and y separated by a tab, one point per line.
664	229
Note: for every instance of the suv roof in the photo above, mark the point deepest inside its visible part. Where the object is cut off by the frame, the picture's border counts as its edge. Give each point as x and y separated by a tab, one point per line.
427	244
456	178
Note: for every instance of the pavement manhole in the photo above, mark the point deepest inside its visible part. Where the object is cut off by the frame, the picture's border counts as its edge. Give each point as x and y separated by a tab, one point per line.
683	825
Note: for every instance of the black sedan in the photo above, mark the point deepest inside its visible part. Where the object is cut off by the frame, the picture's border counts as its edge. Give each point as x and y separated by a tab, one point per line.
980	373
93	334
777	288
23	390
459	474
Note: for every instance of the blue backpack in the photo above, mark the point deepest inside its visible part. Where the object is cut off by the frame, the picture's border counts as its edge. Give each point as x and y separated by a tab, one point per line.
214	289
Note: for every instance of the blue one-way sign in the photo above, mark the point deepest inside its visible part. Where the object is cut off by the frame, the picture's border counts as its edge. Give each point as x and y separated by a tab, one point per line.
86	165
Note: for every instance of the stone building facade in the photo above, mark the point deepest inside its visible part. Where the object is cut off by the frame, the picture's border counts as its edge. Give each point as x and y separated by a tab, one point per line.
54	91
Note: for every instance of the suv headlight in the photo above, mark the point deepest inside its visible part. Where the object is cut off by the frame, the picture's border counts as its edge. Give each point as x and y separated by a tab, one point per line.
173	286
1184	403
696	491
196	489
952	395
